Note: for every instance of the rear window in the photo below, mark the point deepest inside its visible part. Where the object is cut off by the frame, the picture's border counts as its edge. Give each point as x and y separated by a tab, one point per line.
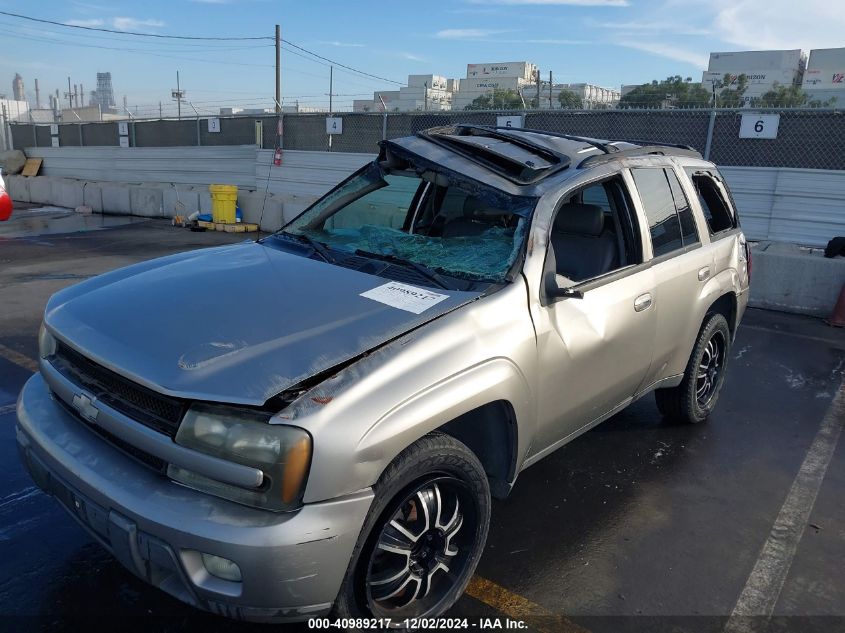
717	209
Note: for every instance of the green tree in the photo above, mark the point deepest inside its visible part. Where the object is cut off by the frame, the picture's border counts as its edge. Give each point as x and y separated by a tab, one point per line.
497	100
569	100
732	93
672	92
790	97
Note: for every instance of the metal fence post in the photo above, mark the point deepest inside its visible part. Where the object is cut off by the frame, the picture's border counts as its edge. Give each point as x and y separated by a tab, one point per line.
384	126
710	126
81	142
34	135
198	132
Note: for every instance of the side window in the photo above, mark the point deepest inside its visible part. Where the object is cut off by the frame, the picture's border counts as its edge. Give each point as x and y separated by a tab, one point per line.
659	205
689	232
717	211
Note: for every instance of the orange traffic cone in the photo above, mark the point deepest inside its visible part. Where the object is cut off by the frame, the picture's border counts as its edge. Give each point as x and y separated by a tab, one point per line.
837	319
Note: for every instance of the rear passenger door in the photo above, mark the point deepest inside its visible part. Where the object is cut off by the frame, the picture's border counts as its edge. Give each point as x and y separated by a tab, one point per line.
679	264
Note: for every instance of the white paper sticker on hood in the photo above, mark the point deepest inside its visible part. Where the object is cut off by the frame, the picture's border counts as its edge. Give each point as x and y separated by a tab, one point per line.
405	297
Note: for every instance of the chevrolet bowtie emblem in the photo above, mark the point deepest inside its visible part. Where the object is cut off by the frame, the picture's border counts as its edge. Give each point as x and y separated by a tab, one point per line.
85	406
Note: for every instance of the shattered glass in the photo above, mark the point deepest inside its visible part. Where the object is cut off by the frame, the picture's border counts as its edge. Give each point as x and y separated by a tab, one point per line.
488	255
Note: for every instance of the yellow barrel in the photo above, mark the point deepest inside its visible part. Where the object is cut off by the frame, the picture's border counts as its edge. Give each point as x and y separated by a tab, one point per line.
224	200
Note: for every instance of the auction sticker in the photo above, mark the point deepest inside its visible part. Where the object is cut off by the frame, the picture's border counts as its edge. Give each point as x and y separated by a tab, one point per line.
405	297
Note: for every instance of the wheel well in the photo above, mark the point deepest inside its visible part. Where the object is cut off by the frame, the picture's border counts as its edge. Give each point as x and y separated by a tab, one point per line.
490	432
726	306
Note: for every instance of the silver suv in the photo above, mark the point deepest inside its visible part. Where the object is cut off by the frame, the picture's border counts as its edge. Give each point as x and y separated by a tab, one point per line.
316	422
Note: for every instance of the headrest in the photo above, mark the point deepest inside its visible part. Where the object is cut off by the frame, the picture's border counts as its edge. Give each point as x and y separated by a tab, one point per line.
477	209
581	219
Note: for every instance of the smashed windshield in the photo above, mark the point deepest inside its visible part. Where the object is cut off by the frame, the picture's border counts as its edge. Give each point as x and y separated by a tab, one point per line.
446	224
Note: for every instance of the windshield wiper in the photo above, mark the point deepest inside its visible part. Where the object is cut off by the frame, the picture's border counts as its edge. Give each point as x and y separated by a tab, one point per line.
318	247
425	271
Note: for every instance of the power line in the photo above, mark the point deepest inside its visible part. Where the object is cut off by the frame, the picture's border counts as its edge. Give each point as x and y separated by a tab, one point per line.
104	30
192	37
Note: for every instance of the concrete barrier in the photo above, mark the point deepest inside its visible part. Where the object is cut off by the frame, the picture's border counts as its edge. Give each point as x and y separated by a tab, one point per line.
92	196
788	278
116	198
41	190
67	193
18	188
180	201
148	202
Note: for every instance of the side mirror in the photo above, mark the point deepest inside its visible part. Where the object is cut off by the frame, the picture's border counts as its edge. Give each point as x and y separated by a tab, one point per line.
556	291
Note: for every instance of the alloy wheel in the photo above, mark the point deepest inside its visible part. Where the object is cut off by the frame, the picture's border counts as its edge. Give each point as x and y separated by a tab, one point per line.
710	368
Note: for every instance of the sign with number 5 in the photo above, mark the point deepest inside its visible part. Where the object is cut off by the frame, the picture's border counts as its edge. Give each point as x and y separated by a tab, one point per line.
759	126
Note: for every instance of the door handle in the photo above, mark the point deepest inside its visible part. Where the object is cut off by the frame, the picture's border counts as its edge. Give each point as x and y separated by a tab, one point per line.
642	302
704	273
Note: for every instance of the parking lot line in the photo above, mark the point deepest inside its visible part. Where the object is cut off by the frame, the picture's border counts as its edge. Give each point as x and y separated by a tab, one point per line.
764	584
516	607
18	359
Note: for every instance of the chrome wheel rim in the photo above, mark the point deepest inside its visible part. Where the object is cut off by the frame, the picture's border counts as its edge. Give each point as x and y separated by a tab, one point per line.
422	550
710	367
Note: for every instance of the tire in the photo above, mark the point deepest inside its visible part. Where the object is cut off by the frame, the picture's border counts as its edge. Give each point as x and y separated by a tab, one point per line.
695	398
437	471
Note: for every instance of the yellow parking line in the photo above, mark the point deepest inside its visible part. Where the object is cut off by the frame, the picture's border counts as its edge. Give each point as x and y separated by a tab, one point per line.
18	359
516	607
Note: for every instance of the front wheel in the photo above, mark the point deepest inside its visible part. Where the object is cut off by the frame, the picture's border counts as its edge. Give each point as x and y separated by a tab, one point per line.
423	536
695	398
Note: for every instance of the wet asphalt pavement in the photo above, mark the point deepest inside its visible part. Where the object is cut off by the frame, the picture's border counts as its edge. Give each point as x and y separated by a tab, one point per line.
637	525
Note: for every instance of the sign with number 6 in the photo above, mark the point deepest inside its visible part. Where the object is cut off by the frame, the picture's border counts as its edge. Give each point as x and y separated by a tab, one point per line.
759	126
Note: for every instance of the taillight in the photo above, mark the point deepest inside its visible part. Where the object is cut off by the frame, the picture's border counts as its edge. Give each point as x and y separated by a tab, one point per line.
748	260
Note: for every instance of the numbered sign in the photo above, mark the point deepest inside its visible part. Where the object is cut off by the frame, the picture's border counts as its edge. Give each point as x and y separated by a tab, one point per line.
54	130
214	125
759	126
123	128
124	141
334	125
54	141
510	121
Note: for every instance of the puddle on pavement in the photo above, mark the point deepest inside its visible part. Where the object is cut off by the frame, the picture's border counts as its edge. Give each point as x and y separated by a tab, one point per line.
53	220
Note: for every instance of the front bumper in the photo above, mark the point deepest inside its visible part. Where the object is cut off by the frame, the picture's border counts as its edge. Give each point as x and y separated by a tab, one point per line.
292	564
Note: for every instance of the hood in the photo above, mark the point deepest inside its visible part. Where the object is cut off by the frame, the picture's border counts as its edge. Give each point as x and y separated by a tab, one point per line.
236	324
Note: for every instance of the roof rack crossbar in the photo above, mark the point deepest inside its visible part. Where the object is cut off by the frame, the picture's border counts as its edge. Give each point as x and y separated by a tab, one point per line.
654	143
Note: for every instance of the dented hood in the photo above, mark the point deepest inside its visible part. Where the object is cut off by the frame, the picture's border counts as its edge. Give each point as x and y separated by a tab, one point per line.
236	324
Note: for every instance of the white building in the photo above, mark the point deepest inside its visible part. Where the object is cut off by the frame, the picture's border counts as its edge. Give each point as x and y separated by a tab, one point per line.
762	69
824	78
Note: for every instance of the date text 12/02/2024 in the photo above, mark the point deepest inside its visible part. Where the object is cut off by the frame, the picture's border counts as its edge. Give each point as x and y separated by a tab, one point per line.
482	624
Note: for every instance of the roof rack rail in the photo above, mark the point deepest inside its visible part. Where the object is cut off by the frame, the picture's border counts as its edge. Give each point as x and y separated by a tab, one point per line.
654	144
643	150
598	144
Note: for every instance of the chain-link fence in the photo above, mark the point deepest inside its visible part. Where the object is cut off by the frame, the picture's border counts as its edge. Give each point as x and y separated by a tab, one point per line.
804	138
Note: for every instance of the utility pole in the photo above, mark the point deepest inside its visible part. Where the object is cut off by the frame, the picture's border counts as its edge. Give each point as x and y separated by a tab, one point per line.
331	87
278	69
550	90
81	95
159	110
37	96
69	94
538	87
425	96
178	94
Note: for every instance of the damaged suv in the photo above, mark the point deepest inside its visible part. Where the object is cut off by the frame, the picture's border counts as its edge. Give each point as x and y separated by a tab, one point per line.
324	429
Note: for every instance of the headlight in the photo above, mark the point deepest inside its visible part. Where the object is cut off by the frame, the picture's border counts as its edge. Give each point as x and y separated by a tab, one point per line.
46	343
245	437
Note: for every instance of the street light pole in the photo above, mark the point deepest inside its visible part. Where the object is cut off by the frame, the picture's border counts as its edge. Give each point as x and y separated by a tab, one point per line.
278	69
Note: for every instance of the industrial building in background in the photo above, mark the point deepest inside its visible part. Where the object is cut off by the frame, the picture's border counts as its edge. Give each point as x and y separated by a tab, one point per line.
104	94
824	78
763	70
17	88
436	92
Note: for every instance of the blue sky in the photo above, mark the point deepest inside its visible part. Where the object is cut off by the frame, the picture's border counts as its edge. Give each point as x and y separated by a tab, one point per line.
607	42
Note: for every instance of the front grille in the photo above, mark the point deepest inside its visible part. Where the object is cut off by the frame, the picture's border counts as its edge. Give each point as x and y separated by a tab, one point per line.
132	451
157	411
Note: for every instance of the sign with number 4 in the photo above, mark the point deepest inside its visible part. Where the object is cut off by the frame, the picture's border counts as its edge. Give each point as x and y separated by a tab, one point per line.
334	125
759	126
